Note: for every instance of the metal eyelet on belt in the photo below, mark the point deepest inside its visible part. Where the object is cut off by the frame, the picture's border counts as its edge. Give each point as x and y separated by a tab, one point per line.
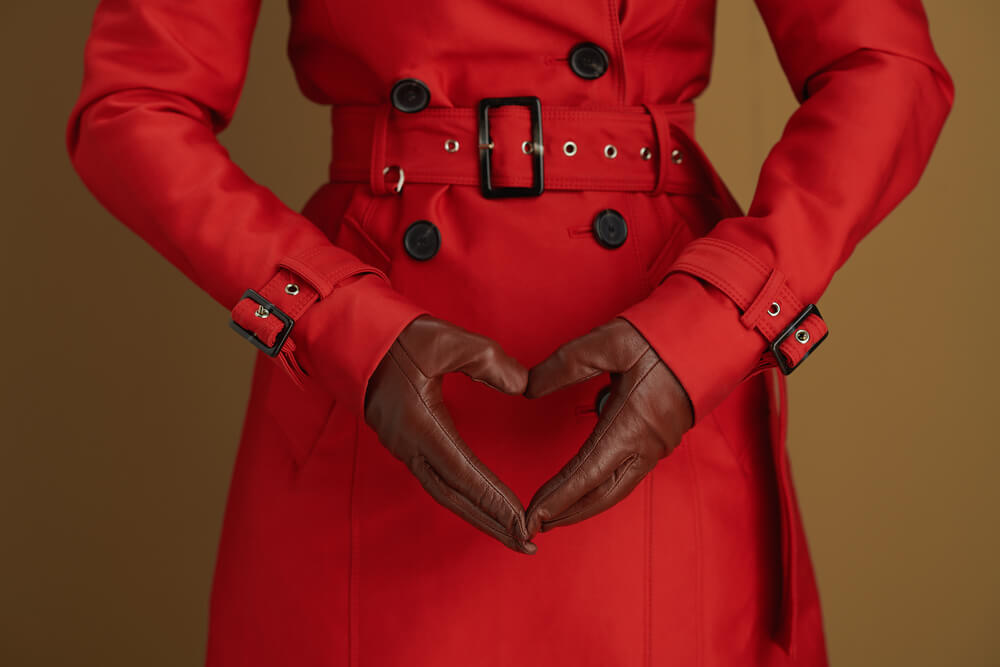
569	148
610	151
676	156
451	145
645	153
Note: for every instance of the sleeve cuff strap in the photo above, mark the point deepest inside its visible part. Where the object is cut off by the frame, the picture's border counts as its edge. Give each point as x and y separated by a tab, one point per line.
344	315
721	315
346	335
767	304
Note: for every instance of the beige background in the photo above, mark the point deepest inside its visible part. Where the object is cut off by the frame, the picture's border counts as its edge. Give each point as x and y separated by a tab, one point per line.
119	426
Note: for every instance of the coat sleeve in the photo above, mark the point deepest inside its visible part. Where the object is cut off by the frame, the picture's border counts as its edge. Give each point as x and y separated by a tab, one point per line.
161	79
873	97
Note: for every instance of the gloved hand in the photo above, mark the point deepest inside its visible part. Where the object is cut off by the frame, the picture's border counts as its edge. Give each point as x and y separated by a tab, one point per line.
404	406
641	421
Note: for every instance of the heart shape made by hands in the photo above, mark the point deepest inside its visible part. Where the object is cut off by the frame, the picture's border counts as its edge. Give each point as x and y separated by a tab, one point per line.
642	421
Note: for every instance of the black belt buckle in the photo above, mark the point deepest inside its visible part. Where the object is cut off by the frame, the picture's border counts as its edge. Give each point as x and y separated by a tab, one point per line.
265	308
486	146
789	330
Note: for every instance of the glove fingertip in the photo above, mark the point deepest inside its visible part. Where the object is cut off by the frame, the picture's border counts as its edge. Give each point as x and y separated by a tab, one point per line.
529	548
532	524
536	387
515	379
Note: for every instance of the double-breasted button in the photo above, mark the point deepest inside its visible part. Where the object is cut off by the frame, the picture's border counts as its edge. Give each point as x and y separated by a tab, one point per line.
588	60
610	229
601	399
410	95
422	240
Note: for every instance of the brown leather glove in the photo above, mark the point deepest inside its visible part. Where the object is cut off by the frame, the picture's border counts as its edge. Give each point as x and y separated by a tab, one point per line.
641	421
404	406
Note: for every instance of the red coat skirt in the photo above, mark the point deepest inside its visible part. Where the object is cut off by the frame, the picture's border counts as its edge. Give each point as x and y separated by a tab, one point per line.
331	552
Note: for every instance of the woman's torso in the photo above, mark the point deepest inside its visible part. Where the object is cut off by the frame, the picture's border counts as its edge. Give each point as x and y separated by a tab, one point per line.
647	582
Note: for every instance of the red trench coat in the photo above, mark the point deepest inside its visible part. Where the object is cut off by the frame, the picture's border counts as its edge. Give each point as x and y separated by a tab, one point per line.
331	552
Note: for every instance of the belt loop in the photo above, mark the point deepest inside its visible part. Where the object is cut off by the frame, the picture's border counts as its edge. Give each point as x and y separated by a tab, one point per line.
376	176
661	130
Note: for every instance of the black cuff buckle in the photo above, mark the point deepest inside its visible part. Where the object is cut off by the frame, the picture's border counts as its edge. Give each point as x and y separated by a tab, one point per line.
789	330
265	309
486	146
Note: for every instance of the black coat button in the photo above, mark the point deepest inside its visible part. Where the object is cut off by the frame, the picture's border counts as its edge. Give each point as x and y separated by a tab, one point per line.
588	60
602	398
410	95
610	229
422	240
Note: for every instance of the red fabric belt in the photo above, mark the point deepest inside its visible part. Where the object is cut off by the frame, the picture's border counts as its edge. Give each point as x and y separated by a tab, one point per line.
441	145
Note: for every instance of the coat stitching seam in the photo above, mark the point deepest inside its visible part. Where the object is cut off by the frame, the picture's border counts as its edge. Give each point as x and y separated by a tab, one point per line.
649	570
643	273
353	601
699	558
616	38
